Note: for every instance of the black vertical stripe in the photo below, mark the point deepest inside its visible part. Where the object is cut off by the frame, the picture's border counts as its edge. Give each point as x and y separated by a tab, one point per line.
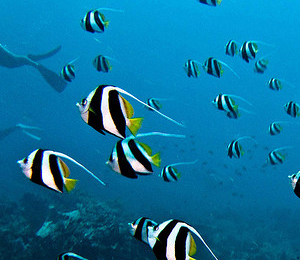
251	48
219	102
125	167
244	52
98	20
116	112
70	69
165	174
230	148
237	149
138	155
180	250
228	103
160	246
95	118
104	63
87	22
139	229
172	173
36	168
297	188
55	171
65	74
216	68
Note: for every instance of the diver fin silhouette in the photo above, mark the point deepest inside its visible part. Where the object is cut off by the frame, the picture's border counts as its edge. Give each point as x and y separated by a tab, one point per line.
38	57
52	78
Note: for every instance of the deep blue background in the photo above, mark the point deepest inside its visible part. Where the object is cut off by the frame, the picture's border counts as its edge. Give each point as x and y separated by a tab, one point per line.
151	40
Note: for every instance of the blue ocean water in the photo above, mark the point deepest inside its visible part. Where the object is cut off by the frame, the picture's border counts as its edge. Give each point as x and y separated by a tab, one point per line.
150	42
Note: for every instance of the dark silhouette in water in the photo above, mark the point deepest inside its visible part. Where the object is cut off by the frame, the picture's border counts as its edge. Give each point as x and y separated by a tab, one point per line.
11	60
9	130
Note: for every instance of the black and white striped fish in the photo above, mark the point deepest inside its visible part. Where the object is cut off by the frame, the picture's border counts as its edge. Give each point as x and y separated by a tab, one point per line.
105	109
231	48
94	21
226	103
213	67
44	167
275	128
131	158
154	103
234	149
260	65
275	84
169	174
68	72
248	50
139	228
210	2
276	156
295	182
191	68
172	240
292	109
101	63
70	256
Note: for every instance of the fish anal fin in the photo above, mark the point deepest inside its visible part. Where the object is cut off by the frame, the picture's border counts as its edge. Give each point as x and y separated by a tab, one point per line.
70	184
193	247
64	167
146	147
135	124
156	160
128	107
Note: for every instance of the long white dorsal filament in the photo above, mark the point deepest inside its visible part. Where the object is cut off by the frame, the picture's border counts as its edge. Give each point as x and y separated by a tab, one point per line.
80	165
239	97
110	9
227	66
198	235
282	148
73	61
28	127
159	134
31	135
183	163
246	137
163	115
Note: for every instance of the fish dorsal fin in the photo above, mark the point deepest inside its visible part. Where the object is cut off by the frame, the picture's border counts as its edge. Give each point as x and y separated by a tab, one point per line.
128	107
64	167
70	184
102	16
146	147
193	247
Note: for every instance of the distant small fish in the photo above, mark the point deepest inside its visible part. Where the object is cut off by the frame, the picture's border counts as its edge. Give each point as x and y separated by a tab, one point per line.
226	103
154	103
277	84
277	157
210	2
275	128
295	182
68	71
191	68
231	48
214	67
44	167
101	63
234	149
170	174
172	240
139	228
70	256
292	109
94	21
248	50
261	65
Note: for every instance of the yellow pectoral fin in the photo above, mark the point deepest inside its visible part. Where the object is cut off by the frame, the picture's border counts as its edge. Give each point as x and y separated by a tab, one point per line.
128	107
193	248
106	23
135	124
219	2
70	184
156	159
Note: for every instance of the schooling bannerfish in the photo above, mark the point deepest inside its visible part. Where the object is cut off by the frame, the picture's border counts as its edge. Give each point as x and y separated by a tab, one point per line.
260	65
295	182
248	50
172	240
234	149
68	71
44	167
139	228
101	63
276	156
191	68
154	103
94	21
231	48
292	109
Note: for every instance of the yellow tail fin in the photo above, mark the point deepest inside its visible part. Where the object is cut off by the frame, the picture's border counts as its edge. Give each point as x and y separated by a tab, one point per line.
156	159
219	2
135	124
193	248
70	184
106	23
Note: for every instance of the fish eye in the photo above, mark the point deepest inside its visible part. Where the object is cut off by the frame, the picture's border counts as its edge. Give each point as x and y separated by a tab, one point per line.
25	160
83	102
